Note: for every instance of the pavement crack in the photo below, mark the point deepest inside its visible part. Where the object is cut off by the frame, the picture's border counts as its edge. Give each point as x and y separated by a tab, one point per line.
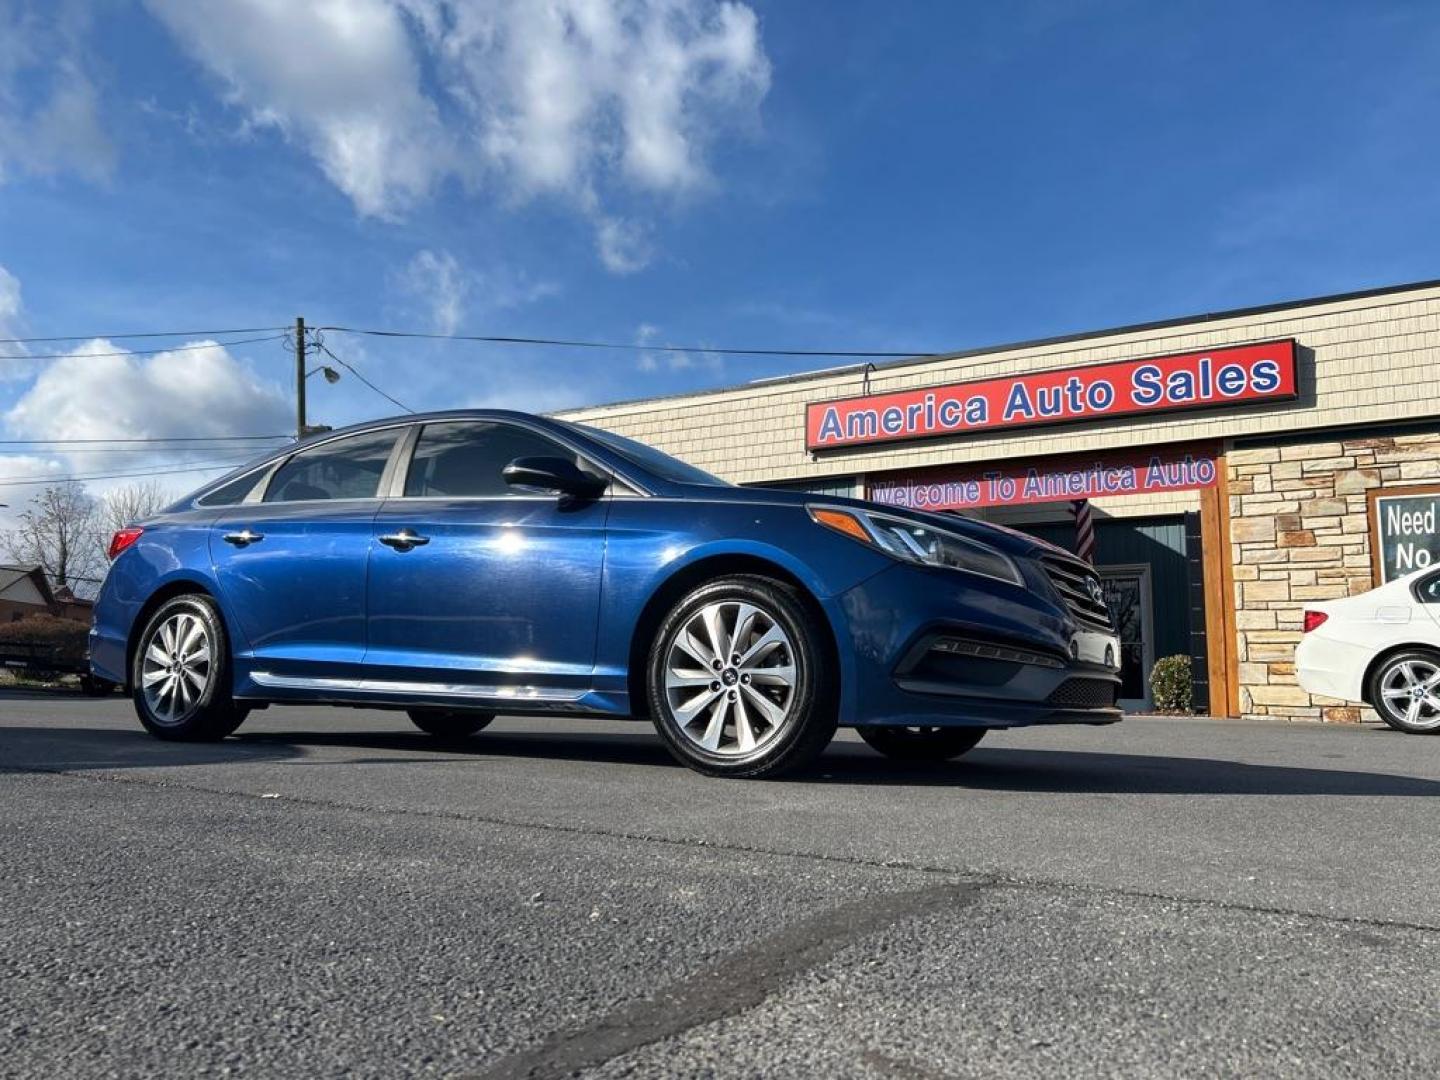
736	984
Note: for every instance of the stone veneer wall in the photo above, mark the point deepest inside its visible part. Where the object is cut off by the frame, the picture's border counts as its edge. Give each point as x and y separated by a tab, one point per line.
1299	531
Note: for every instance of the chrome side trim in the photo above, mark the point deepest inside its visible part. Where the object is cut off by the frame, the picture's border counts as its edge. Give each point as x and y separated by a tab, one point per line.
384	686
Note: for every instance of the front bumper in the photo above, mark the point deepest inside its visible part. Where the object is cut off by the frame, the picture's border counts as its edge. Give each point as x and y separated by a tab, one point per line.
945	649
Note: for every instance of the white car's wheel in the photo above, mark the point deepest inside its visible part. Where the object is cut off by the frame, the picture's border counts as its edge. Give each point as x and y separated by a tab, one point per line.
1405	691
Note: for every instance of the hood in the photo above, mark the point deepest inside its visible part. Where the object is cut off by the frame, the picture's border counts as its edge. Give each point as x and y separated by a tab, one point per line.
1007	540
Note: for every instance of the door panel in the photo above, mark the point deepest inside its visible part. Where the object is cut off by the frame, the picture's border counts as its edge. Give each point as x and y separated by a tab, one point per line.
502	587
297	593
292	566
504	592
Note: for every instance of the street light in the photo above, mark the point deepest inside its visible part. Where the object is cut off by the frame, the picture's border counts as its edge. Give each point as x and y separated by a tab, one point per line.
332	377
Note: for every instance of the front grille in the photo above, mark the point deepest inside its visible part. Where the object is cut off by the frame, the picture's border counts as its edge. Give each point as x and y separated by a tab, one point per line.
1083	694
1073	580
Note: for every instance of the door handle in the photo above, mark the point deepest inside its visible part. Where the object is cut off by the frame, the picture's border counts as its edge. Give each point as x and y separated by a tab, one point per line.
404	540
243	538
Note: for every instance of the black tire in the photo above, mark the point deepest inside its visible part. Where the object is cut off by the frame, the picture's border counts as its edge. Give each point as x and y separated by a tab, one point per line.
1394	711
806	706
922	744
93	686
445	724
210	713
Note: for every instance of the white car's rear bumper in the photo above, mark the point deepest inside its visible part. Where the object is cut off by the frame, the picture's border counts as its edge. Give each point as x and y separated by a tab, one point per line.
1333	668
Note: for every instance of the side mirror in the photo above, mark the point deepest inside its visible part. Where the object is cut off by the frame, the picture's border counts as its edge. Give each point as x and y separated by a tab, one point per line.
554	474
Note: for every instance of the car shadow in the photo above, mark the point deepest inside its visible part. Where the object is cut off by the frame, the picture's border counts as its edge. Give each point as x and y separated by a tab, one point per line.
78	749
1004	769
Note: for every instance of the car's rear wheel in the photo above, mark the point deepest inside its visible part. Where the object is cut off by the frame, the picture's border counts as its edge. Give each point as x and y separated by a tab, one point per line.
740	680
922	743
1405	691
180	674
449	723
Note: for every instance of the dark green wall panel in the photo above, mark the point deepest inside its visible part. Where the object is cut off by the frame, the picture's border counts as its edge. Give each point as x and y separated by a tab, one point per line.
1158	542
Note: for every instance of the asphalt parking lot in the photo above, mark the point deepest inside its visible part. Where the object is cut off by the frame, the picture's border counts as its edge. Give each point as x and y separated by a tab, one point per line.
331	893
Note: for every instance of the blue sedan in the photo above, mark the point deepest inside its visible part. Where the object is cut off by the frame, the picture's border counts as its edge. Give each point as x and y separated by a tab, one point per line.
457	565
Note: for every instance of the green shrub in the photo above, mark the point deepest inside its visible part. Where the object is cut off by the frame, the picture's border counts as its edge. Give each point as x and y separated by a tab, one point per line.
1171	687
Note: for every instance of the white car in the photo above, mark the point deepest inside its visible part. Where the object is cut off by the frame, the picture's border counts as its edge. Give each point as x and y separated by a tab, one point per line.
1381	647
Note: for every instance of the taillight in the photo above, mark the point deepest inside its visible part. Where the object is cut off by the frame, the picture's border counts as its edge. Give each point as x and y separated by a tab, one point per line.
122	540
1314	619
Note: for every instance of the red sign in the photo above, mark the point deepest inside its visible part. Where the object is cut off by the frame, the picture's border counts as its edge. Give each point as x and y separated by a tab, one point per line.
1245	373
1074	476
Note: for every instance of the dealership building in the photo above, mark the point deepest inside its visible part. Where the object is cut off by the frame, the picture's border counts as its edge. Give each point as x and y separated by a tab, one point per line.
1233	465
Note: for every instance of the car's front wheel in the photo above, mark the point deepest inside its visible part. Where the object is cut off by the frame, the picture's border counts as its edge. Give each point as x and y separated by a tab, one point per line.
1405	691
740	680
180	674
447	724
922	743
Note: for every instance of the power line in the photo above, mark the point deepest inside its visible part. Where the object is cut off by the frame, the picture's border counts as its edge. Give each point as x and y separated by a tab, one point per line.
146	439
651	347
18	450
154	334
139	352
8	481
348	367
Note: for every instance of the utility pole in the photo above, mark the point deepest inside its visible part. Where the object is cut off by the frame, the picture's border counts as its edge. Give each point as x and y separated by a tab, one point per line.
299	377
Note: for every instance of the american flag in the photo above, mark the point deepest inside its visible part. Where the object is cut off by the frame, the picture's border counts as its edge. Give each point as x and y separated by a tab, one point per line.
1084	530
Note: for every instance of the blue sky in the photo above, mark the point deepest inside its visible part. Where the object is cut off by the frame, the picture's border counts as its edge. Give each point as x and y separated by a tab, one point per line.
893	176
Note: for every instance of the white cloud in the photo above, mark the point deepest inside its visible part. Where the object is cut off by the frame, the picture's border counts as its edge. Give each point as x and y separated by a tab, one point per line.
200	391
11	320
575	99
436	279
9	302
661	356
337	76
559	92
447	291
181	392
49	107
624	246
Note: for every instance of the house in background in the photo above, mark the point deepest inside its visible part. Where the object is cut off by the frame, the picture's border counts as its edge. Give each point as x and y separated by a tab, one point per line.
25	591
70	606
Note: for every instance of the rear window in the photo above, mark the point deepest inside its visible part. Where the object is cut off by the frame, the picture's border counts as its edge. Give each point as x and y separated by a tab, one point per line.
233	493
348	468
1427	589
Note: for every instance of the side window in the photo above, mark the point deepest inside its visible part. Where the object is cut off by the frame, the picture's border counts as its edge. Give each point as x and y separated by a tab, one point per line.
233	493
343	469
465	458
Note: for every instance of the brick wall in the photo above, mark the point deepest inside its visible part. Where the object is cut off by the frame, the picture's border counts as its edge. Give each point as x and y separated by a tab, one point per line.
1299	531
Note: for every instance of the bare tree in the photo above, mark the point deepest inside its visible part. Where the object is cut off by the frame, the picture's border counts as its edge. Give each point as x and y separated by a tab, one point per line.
60	530
134	502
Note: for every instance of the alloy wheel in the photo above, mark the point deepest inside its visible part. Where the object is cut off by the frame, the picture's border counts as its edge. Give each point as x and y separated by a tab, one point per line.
730	678
1411	693
177	667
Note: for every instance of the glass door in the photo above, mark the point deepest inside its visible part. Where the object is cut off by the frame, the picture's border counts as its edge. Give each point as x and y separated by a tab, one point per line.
1127	595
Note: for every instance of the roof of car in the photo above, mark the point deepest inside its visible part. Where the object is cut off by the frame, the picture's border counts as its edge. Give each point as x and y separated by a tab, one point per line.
444	414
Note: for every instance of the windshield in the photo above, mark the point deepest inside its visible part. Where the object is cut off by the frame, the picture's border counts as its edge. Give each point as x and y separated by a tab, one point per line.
648	458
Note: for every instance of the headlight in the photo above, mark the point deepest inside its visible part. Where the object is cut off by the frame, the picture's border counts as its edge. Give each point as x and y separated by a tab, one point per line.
915	543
